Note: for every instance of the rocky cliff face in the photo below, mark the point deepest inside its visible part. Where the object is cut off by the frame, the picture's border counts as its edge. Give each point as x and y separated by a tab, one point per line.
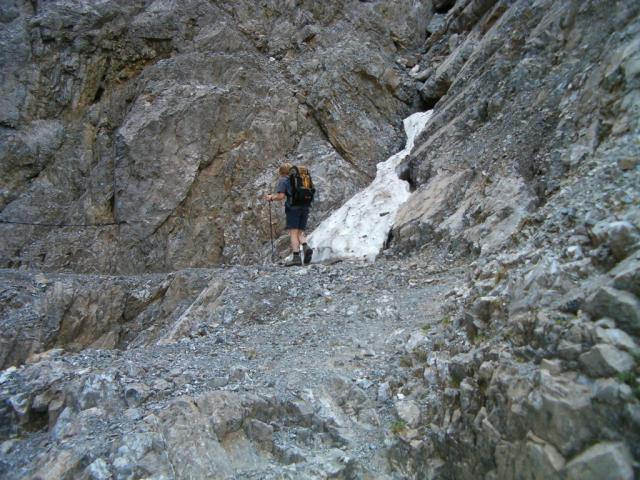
529	97
497	336
149	130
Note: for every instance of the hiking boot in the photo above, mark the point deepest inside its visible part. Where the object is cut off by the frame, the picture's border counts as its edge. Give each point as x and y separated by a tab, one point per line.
308	253
295	261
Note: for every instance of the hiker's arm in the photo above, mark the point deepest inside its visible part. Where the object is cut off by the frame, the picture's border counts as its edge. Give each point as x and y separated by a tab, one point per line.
275	196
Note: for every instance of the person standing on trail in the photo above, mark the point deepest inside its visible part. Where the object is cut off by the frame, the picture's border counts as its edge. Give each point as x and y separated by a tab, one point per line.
296	189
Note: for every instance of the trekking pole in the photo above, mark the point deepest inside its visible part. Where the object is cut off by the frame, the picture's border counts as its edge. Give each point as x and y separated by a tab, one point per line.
271	232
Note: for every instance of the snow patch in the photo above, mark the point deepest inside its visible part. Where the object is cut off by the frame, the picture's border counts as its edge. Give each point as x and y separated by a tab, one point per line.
360	227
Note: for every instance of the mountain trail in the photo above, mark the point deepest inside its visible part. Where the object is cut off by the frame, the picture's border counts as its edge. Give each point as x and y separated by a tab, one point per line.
312	358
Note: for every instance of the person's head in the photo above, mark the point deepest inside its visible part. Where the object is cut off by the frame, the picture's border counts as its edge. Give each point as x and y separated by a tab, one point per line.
284	169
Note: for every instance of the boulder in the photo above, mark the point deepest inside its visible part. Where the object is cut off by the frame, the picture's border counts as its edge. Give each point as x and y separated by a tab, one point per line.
470	396
260	433
623	307
612	391
627	276
135	394
621	236
605	360
543	459
603	460
623	239
559	410
569	350
534	459
408	411
462	365
616	337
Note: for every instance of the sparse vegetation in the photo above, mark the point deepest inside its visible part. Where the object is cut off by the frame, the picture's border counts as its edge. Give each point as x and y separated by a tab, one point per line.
398	427
438	344
420	355
251	354
501	274
479	338
405	361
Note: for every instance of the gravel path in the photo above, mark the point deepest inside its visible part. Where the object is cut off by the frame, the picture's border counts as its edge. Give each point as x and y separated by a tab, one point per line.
321	335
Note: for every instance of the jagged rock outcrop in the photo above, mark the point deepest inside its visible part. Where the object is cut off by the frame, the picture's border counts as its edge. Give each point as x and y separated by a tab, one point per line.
535	94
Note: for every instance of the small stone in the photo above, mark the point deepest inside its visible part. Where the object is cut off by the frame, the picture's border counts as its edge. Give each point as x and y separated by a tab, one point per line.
238	374
384	392
486	371
605	360
219	382
132	414
415	340
364	383
469	395
604	460
410	434
135	394
575	252
554	367
161	385
632	413
4	376
20	403
461	366
544	458
430	376
416	444
46	355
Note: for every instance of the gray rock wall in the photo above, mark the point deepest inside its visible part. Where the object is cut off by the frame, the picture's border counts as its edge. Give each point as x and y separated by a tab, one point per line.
525	95
151	129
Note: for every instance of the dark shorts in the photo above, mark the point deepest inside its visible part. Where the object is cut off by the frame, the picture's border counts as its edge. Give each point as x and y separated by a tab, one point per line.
296	217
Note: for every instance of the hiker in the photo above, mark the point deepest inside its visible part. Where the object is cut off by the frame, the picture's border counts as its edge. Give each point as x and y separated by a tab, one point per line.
296	188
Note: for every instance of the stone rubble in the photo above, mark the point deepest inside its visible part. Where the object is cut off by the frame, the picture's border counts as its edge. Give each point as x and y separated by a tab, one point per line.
497	335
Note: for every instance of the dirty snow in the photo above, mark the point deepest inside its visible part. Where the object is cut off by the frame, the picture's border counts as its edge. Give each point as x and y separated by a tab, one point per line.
361	226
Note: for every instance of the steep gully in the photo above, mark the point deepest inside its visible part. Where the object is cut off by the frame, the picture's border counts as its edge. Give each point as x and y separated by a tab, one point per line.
318	339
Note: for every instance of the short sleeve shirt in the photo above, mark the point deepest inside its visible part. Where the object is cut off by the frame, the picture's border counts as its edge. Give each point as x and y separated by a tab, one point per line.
284	186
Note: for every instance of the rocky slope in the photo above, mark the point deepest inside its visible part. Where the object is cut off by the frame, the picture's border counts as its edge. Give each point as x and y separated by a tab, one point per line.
496	337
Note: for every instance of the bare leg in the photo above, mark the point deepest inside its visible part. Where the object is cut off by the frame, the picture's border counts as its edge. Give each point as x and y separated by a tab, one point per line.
294	237
302	238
